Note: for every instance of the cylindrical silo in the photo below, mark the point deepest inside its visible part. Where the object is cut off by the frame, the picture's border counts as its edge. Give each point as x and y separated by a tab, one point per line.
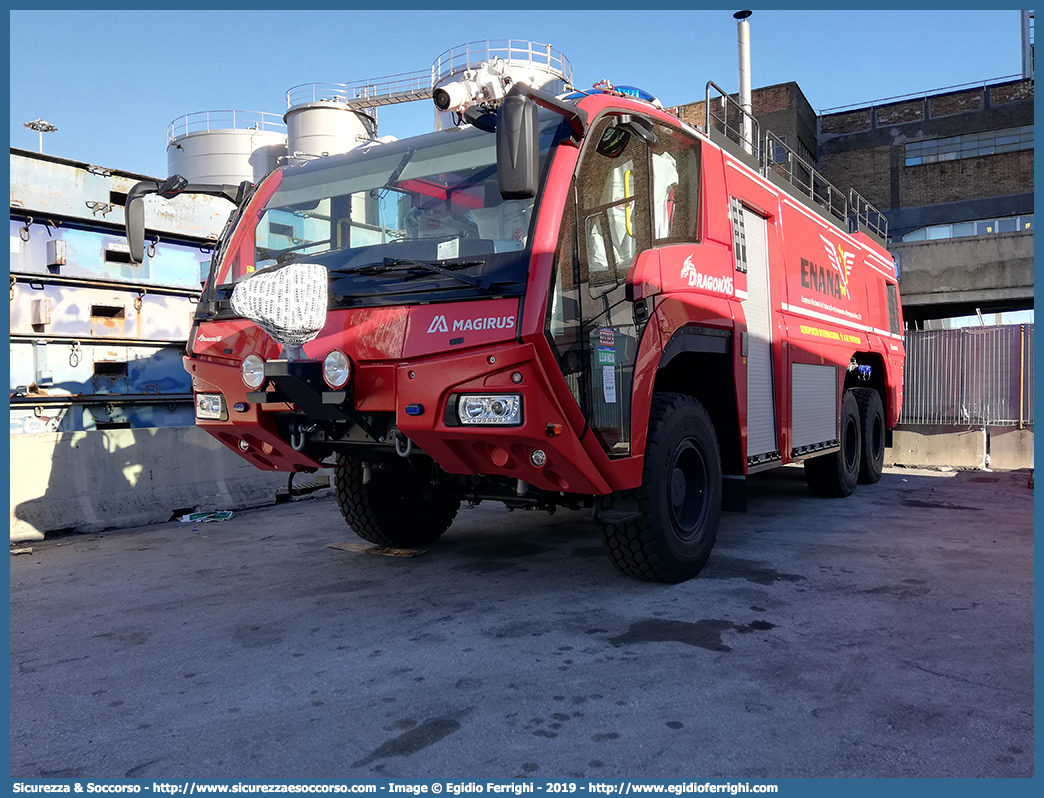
319	122
225	147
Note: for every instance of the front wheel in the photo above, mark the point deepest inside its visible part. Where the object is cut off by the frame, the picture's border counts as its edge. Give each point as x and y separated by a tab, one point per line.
668	531
398	507
836	474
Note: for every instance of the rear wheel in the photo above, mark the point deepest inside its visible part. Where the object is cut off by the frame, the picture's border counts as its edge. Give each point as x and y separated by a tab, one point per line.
836	474
664	530
872	433
398	507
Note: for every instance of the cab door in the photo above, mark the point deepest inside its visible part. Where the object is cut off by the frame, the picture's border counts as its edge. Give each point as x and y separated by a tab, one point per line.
623	200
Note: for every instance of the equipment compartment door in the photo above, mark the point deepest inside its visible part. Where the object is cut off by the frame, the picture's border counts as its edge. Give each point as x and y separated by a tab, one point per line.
750	234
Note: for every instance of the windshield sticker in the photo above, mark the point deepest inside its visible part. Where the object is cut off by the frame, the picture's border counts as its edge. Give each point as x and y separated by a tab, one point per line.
448	249
609	384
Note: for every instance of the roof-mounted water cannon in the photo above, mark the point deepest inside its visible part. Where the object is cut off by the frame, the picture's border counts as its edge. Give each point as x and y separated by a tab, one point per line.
486	85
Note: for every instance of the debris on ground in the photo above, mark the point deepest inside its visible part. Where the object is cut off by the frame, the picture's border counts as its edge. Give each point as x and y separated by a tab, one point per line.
202	518
385	551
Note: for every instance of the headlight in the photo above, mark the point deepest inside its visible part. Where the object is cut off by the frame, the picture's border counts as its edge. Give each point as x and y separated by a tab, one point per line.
253	369
502	410
208	405
337	369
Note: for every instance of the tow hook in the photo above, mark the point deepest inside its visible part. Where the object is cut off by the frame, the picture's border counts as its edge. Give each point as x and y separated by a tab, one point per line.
299	436
403	451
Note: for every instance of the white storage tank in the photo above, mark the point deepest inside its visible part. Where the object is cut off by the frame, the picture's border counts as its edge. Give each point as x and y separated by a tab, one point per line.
320	122
225	147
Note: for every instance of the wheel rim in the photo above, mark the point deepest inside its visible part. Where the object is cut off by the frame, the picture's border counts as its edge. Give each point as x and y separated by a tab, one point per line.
851	443
688	490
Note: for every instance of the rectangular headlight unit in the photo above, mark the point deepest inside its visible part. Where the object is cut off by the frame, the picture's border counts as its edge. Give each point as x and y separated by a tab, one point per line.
501	410
209	406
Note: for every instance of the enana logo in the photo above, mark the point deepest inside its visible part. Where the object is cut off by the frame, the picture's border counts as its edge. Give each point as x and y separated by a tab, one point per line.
842	261
438	324
719	285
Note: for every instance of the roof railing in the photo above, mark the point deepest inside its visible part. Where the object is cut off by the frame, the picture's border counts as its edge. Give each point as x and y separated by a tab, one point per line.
807	182
727	115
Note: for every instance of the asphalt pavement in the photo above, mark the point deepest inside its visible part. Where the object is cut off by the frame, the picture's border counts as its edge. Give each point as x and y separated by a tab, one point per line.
887	634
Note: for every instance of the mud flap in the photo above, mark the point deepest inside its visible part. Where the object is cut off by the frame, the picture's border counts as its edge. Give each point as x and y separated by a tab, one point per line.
734	493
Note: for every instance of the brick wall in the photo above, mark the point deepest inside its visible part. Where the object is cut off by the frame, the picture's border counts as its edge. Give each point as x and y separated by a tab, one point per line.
948	104
1011	92
851	122
897	113
867	171
965	178
694	113
770	100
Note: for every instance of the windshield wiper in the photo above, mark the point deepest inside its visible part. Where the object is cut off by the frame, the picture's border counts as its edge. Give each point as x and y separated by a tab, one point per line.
420	265
286	255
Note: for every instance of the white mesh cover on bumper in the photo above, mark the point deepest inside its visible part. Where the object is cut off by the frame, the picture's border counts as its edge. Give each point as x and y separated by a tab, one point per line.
287	302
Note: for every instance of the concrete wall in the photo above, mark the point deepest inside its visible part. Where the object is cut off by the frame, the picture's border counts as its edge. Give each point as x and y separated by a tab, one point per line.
980	270
89	481
1008	448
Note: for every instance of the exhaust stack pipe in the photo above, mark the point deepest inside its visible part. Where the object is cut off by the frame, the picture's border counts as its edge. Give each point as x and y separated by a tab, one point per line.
743	33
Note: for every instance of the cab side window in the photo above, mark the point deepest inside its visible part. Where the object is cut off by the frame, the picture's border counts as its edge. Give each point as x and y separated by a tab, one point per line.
613	201
675	186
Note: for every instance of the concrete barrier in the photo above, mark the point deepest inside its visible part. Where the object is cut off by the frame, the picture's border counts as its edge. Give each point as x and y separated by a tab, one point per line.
1011	448
932	445
997	448
89	481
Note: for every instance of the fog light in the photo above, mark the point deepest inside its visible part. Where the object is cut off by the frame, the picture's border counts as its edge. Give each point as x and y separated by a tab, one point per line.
208	406
243	445
538	458
337	369
253	371
502	410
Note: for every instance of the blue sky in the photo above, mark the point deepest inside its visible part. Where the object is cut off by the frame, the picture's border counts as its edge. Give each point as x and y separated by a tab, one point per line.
112	80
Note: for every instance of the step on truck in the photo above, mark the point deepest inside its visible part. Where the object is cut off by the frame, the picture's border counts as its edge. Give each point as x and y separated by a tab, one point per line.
567	301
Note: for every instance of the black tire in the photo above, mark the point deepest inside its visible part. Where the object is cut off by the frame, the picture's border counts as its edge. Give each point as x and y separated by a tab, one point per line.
397	508
872	433
669	531
837	473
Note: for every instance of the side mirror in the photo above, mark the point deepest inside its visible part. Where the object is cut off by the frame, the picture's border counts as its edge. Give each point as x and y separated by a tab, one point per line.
134	219
172	186
518	156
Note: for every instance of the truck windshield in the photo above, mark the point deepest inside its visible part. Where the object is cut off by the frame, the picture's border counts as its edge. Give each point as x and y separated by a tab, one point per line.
432	198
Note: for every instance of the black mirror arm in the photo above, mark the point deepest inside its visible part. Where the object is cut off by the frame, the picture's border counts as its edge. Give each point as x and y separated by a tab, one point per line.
142	188
577	118
233	194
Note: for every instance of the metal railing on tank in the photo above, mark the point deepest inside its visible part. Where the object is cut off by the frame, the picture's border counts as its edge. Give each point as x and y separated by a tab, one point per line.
367	93
465	56
206	121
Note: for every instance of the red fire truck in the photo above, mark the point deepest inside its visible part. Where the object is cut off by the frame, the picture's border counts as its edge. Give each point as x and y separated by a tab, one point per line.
577	302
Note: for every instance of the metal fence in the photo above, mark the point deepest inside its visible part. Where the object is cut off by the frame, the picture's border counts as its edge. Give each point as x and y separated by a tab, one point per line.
970	376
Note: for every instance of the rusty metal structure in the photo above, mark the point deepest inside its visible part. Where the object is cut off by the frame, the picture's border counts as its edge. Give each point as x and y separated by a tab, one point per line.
96	341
